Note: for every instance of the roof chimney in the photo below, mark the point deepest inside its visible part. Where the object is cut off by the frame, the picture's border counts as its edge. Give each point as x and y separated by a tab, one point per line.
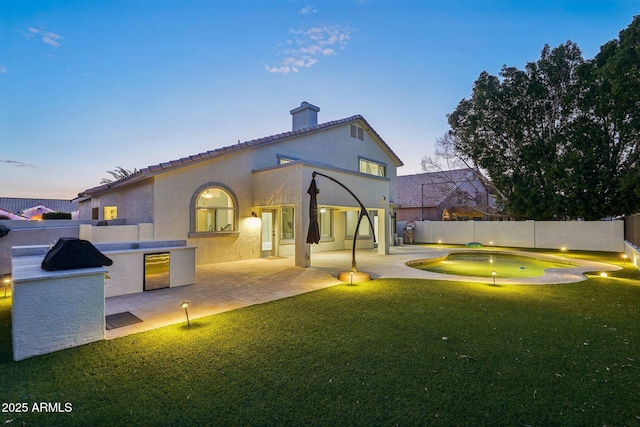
306	115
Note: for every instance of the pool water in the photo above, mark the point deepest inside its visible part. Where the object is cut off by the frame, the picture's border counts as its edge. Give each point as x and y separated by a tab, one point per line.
481	264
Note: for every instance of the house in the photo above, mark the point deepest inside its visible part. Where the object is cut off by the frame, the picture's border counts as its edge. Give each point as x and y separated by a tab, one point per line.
453	195
250	200
16	208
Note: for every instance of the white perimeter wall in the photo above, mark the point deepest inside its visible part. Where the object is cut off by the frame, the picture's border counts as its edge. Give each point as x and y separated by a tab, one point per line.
581	235
116	233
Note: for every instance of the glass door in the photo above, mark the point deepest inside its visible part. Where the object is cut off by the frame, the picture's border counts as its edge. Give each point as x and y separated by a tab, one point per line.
268	233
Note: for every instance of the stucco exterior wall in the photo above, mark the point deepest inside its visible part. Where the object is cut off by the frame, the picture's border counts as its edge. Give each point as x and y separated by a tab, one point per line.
333	147
134	202
174	194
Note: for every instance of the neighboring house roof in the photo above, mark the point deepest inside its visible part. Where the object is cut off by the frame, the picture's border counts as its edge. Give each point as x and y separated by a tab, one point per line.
185	161
18	205
437	187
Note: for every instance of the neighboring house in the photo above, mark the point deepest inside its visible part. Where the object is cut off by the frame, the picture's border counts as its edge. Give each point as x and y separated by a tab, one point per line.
250	200
453	195
16	208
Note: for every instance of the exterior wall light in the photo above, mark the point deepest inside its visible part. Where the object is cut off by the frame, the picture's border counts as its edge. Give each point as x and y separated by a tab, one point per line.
253	214
184	305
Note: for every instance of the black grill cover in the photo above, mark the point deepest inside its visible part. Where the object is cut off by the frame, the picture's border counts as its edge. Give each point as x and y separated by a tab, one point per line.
70	253
3	231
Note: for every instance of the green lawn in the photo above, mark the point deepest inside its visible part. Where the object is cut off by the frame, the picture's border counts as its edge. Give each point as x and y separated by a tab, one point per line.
387	352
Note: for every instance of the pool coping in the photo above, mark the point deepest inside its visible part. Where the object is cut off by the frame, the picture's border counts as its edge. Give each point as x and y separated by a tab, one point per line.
551	276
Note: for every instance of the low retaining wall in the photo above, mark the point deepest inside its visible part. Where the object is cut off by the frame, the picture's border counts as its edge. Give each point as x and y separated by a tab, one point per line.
605	236
633	253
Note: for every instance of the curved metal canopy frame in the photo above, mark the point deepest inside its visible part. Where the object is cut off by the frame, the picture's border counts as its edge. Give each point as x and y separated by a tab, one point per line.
363	213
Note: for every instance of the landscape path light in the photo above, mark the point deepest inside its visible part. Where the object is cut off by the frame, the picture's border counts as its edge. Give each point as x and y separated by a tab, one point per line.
6	281
493	273
184	305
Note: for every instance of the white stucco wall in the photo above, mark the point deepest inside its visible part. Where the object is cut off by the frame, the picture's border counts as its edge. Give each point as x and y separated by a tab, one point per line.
116	233
55	310
605	236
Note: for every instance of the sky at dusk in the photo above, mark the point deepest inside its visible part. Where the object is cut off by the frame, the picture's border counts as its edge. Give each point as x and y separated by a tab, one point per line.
86	86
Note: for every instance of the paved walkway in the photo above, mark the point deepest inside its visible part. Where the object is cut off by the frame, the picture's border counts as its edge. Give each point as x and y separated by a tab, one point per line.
230	285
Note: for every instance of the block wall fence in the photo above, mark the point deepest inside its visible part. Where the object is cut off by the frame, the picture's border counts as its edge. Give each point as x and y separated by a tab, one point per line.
605	236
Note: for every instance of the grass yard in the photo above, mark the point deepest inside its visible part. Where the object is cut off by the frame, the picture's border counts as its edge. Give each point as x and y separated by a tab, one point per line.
387	352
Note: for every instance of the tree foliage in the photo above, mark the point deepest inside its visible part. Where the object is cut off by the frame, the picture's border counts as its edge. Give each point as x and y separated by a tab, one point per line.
117	174
558	139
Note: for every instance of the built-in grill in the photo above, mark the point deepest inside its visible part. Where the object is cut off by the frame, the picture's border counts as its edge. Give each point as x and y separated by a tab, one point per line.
71	253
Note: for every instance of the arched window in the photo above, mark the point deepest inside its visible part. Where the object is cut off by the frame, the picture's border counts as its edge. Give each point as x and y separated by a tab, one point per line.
215	211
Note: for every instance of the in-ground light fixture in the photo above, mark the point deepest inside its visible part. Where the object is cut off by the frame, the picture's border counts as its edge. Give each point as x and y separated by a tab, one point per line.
184	305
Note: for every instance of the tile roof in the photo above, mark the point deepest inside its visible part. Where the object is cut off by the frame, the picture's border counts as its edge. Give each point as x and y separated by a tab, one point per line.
211	154
437	187
18	205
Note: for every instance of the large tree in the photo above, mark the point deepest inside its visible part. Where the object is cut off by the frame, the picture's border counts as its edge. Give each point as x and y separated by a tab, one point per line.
559	138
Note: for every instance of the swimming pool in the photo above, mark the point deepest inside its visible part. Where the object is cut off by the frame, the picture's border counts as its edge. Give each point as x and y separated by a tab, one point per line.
489	264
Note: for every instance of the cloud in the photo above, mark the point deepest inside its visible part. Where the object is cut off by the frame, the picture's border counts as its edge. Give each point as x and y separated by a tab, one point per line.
45	36
18	164
3	69
310	44
308	10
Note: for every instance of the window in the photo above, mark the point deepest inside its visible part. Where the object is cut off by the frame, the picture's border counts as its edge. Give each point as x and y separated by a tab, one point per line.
373	168
110	212
357	132
351	222
325	221
215	211
288	223
285	159
95	213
